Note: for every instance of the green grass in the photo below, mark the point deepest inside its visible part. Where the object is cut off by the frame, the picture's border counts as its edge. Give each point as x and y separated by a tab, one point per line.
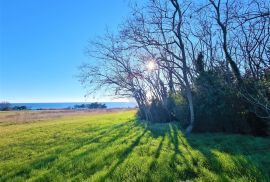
115	147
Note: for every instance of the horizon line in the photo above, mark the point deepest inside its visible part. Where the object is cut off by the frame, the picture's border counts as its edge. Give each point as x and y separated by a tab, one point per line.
69	102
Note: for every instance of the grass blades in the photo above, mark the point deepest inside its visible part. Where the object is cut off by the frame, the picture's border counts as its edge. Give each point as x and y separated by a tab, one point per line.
116	147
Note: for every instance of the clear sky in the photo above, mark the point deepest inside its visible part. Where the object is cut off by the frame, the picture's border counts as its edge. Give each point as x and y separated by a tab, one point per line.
42	44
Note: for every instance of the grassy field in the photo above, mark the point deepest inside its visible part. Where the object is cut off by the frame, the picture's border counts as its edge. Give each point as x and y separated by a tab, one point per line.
116	147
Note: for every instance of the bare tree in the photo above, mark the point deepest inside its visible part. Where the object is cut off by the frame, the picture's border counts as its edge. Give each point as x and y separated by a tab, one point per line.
174	36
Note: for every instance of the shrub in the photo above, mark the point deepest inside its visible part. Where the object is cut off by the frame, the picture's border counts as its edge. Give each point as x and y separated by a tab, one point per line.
178	106
220	108
217	107
159	112
174	108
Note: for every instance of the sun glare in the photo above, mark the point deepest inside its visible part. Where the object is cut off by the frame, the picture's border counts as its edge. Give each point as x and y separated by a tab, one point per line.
151	65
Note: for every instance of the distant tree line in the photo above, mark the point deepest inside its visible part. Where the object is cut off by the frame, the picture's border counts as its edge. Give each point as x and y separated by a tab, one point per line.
6	106
205	64
94	105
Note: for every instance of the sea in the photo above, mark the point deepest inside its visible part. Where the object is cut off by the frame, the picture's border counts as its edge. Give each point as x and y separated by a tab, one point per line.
65	105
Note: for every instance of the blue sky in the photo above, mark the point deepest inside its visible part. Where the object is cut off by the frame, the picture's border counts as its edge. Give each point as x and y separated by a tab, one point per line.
42	44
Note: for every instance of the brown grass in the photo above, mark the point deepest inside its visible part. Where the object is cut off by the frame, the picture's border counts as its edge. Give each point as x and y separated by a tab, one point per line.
40	115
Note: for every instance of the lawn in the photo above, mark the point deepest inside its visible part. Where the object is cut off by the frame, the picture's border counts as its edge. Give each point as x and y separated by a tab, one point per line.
116	147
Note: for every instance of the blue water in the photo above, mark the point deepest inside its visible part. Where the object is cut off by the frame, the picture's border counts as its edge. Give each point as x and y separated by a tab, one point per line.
64	105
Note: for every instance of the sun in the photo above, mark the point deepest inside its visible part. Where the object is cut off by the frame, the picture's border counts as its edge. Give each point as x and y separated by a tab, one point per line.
151	65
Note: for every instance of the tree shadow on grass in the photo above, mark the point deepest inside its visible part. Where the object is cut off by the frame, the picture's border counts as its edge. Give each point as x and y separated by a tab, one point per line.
205	160
195	154
187	158
122	157
171	132
117	139
47	158
227	158
154	163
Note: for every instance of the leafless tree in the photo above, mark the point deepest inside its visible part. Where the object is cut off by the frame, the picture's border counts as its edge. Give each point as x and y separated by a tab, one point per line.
244	28
173	36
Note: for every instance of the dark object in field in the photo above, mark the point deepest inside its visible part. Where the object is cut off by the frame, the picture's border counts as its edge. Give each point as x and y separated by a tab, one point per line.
94	105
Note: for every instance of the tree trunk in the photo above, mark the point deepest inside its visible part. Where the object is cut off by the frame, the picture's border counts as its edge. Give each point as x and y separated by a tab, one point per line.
191	110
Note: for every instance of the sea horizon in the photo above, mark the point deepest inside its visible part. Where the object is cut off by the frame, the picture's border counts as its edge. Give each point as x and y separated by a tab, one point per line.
65	105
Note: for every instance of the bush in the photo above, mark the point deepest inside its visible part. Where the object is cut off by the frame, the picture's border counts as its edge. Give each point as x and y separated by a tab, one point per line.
174	108
220	108
178	106
159	112
217	107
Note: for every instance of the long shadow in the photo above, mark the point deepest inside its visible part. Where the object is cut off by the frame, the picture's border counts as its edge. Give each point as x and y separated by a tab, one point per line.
103	145
123	156
177	140
118	138
208	149
243	162
94	167
212	162
186	146
156	156
77	141
173	132
198	156
110	131
157	153
64	150
174	139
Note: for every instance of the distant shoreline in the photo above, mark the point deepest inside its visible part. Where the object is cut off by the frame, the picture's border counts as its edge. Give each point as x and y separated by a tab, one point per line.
70	105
